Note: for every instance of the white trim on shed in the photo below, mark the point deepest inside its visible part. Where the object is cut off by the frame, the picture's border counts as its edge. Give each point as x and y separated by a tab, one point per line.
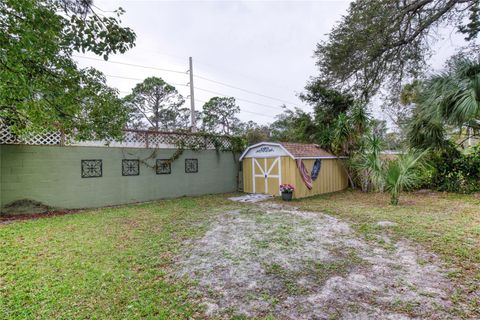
258	151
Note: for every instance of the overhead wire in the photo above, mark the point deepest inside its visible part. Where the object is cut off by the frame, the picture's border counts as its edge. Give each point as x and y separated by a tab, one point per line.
184	58
266	81
241	110
131	64
201	89
240	99
196	76
246	111
198	88
138	79
241	89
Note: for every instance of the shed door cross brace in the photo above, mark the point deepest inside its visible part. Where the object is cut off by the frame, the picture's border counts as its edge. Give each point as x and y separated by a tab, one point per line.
265	171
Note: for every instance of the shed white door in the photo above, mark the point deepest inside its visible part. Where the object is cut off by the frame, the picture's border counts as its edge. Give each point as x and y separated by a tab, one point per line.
267	175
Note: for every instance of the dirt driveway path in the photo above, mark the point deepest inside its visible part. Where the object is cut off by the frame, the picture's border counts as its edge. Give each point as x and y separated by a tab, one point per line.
269	260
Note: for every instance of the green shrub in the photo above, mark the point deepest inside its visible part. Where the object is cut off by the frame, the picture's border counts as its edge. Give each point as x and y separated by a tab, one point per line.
455	171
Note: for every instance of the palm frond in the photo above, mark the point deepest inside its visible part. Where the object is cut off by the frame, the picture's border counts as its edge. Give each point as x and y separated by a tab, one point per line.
400	173
368	165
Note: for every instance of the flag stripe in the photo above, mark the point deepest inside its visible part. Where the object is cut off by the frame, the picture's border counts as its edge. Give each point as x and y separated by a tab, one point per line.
304	174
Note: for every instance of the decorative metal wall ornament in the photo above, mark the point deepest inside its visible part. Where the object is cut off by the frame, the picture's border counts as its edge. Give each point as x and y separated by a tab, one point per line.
130	167
163	166
91	168
191	165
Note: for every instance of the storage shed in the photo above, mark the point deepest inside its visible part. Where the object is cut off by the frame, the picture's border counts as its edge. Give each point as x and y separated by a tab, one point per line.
311	169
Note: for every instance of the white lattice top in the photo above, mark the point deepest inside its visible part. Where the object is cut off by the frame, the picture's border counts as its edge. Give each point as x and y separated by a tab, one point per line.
131	139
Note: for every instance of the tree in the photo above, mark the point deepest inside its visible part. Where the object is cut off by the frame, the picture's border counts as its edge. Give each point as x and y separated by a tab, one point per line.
348	130
41	87
220	115
393	141
393	175
410	93
293	126
381	42
257	135
398	106
253	132
327	103
339	135
450	99
157	103
367	164
379	128
338	119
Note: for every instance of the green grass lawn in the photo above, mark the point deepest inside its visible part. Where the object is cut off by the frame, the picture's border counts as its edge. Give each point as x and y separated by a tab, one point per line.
105	263
116	263
446	224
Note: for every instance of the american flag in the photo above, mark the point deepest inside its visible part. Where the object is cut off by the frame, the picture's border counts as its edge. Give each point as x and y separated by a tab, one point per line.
305	175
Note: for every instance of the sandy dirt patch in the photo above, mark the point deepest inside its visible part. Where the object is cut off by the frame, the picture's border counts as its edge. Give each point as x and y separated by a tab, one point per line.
269	260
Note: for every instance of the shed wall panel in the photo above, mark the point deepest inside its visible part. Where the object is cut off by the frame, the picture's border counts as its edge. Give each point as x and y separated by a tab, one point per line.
332	178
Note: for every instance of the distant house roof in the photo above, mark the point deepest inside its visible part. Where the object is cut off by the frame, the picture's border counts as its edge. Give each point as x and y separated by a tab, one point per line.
293	150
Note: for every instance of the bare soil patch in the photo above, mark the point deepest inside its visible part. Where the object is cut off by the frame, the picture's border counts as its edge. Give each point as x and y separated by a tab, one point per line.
270	260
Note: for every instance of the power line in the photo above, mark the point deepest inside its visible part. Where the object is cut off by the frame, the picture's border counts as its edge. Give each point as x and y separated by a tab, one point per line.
182	72
240	99
181	84
206	90
214	92
243	75
203	101
184	58
246	111
244	90
258	114
131	64
138	79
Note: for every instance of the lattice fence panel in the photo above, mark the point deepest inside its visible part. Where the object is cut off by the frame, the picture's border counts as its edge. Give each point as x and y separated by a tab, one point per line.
145	139
156	139
49	138
6	137
134	137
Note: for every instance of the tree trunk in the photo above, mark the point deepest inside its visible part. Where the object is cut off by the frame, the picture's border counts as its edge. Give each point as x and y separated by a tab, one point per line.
394	199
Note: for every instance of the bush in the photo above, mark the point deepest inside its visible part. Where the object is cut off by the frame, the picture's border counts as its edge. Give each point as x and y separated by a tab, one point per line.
455	171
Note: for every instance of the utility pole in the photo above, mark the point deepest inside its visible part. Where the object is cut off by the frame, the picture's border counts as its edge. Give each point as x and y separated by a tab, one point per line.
193	126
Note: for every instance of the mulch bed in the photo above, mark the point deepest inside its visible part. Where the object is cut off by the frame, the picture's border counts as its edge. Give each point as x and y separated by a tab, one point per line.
9	218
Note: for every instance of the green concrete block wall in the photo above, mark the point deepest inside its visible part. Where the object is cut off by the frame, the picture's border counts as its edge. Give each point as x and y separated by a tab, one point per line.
52	175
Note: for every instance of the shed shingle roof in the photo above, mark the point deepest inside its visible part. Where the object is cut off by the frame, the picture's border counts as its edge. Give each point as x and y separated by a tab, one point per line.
301	150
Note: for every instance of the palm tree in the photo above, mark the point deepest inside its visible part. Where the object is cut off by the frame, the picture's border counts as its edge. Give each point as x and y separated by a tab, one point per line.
400	174
451	98
359	118
368	165
349	129
342	134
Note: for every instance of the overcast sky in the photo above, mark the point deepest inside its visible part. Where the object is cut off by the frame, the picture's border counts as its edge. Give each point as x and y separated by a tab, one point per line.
263	47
